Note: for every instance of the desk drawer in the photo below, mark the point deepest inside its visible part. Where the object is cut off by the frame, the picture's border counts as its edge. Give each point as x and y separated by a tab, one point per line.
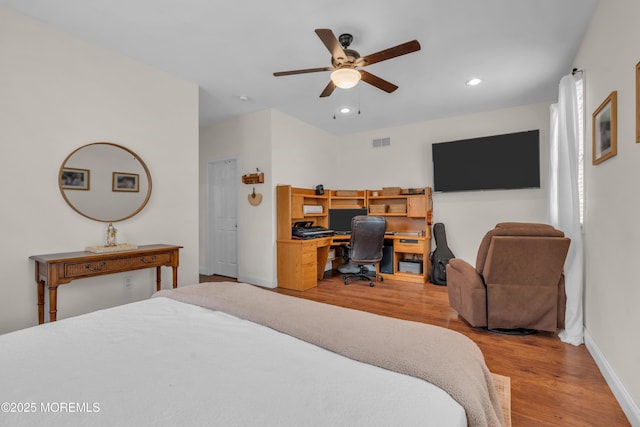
78	269
308	258
409	246
309	275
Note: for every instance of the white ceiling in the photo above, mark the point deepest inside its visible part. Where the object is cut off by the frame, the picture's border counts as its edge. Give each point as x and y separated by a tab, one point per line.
520	48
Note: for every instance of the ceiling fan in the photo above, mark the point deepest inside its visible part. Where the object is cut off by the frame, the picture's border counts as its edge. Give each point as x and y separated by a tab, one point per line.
345	63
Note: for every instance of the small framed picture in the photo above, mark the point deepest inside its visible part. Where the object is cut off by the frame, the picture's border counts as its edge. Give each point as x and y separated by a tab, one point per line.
74	179
605	129
123	181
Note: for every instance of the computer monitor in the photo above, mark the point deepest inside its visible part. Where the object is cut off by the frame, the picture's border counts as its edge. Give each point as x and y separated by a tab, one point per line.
340	219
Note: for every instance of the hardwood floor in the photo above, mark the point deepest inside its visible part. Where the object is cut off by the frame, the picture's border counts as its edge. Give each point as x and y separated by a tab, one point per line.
552	383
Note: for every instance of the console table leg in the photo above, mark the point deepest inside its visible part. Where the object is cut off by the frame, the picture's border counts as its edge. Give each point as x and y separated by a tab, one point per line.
53	303
40	302
158	279
175	276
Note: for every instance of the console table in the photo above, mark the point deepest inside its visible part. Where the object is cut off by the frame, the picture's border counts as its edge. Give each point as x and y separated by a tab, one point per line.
62	268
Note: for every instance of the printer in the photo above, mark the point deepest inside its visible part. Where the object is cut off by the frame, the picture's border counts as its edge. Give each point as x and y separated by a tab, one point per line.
306	230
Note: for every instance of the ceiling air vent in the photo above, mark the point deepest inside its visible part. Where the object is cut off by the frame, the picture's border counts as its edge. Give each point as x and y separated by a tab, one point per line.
381	142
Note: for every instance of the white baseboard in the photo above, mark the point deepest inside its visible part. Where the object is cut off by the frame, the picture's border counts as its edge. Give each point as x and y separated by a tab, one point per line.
256	281
204	271
629	407
246	279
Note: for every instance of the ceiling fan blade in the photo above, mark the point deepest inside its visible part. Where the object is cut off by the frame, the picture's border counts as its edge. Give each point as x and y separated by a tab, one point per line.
377	82
331	42
392	52
307	70
328	90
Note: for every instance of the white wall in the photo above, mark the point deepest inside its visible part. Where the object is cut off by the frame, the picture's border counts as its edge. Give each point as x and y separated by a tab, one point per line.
286	150
57	93
467	216
304	156
608	55
248	140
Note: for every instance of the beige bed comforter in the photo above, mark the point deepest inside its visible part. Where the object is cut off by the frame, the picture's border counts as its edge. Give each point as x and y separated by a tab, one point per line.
443	357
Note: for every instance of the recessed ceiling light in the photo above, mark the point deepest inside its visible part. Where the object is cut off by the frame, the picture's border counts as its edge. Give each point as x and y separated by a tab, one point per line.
243	98
473	82
345	110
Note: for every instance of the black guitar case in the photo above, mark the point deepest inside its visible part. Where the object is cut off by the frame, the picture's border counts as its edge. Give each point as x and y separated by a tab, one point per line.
440	256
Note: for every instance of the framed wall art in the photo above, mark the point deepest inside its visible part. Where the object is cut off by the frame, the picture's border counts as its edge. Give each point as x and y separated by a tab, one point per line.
123	181
74	179
605	129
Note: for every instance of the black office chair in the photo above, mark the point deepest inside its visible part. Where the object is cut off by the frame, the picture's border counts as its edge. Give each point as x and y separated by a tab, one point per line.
365	247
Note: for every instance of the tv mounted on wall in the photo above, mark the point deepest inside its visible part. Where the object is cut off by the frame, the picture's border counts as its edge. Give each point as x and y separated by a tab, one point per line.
499	162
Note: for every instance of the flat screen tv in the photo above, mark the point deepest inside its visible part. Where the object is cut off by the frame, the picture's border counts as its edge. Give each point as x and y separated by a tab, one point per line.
340	219
499	162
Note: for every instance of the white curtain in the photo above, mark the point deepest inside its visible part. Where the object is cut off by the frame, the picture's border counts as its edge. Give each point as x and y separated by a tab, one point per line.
566	140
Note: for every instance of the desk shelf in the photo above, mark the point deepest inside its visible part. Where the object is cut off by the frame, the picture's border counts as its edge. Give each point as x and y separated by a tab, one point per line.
290	208
405	277
347	199
400	215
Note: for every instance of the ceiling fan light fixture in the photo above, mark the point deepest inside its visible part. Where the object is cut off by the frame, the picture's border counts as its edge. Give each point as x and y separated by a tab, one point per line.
345	78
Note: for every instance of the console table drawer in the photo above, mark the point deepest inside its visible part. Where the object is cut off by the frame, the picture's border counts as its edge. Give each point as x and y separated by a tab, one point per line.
77	269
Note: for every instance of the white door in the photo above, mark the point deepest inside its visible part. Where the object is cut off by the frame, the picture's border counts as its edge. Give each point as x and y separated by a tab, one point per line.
223	224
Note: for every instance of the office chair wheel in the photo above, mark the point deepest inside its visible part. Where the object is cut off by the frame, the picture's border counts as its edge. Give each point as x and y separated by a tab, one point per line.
345	279
370	283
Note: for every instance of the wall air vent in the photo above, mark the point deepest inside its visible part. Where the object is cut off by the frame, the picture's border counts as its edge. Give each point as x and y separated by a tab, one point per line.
381	142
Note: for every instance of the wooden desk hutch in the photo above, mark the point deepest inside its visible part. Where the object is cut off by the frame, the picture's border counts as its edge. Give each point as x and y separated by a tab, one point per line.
301	263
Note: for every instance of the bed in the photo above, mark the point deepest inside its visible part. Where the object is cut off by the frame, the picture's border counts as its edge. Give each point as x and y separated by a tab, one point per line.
233	354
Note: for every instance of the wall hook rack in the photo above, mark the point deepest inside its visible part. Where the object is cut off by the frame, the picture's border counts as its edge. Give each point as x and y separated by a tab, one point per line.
253	178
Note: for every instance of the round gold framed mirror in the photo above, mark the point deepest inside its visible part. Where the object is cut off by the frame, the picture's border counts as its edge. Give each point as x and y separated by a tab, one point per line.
105	182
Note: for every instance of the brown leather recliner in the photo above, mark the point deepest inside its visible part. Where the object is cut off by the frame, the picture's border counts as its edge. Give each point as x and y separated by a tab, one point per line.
518	281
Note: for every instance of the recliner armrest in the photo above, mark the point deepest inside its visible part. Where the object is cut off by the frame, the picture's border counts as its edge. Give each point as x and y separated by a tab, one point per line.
467	293
461	270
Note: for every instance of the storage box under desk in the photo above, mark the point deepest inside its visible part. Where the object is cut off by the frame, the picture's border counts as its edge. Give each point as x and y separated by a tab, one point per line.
410	266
